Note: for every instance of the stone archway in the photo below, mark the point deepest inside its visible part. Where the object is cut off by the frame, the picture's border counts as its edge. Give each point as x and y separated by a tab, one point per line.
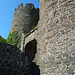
30	50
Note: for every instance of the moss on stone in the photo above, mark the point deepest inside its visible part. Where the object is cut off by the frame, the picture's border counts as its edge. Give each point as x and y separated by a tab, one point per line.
38	0
2	39
26	35
12	38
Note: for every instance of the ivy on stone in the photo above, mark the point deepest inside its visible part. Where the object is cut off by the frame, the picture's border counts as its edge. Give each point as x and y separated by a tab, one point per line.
2	39
12	38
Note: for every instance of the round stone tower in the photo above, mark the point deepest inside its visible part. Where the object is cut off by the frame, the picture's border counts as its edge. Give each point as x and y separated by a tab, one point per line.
25	19
56	37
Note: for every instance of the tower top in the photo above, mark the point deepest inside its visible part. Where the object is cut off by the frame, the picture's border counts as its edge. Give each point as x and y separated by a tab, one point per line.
28	5
20	5
25	19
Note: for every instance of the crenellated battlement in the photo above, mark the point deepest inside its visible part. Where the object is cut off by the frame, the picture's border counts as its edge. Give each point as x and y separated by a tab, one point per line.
28	5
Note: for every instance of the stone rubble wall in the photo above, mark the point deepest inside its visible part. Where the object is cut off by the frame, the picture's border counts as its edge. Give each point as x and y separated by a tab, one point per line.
56	37
11	62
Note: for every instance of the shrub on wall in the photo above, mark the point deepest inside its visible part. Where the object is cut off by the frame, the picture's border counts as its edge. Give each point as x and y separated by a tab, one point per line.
2	39
13	38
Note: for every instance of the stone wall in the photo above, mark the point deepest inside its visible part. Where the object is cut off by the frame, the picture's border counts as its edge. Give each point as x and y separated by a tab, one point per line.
29	37
52	45
14	62
25	19
11	62
56	37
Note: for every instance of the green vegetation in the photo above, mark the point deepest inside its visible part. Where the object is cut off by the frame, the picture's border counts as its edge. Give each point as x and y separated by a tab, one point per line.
13	38
38	0
26	35
32	29
2	39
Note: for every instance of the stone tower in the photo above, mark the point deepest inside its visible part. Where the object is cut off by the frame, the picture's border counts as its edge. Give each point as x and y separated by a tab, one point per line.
25	19
56	37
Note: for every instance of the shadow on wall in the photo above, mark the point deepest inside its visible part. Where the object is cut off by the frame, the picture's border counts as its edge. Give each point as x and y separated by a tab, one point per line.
30	51
14	62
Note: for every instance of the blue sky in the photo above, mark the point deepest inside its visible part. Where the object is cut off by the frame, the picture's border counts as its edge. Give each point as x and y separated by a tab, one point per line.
7	11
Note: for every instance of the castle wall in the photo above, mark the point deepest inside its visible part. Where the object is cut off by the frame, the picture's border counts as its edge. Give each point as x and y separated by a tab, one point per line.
11	60
31	36
25	19
56	37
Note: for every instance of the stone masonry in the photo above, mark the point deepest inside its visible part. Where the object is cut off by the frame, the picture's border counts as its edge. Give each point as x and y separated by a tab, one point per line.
25	19
56	37
13	62
49	49
10	60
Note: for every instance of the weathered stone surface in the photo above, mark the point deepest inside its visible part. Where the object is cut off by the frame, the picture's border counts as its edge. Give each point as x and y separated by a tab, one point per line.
29	37
56	37
52	45
10	60
25	18
14	62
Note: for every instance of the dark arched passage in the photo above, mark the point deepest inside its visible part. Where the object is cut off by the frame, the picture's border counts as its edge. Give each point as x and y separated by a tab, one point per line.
30	50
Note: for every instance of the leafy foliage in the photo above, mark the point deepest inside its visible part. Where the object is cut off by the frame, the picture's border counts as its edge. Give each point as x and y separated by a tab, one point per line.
2	39
13	38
